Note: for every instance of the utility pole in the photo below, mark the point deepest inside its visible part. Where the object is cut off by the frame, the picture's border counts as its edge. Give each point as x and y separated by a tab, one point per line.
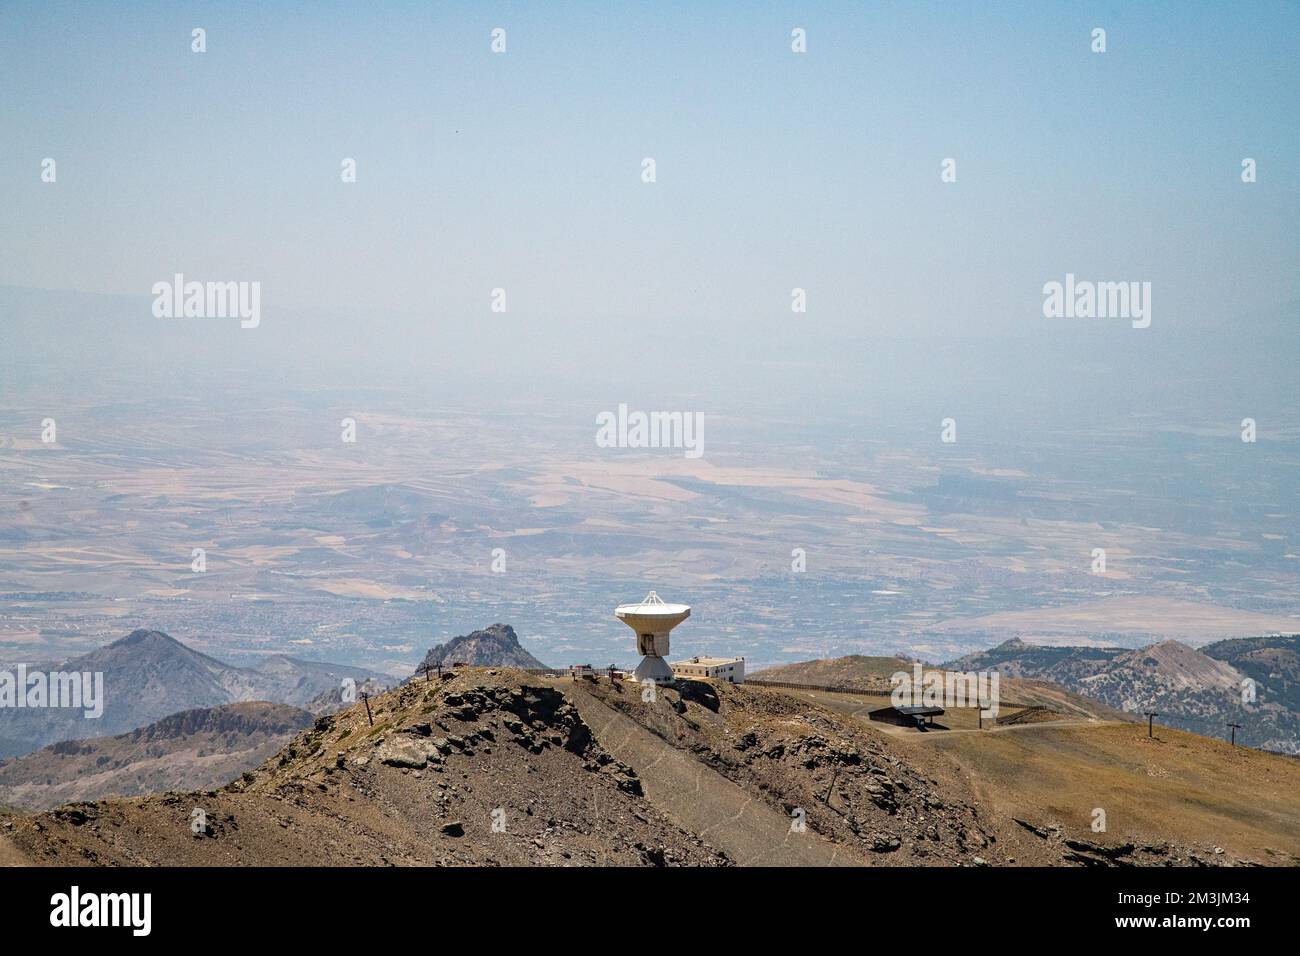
1150	715
827	799
366	700
1235	728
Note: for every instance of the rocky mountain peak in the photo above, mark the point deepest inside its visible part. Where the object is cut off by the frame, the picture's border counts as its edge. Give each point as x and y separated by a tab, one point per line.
142	637
495	646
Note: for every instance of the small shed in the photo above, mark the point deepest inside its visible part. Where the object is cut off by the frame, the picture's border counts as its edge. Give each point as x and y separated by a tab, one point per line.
922	718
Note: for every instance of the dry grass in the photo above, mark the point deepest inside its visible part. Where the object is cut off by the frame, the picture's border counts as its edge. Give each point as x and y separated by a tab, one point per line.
1176	787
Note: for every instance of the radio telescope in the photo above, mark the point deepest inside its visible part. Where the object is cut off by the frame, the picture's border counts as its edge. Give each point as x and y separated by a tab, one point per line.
652	619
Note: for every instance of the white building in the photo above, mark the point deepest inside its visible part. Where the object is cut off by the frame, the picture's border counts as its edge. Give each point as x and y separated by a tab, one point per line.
730	669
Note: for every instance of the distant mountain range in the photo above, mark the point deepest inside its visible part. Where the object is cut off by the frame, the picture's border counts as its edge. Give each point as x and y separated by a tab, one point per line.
149	675
174	718
191	750
496	646
1196	690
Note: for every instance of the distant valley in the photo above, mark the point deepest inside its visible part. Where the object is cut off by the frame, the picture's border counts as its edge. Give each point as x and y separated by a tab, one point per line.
370	553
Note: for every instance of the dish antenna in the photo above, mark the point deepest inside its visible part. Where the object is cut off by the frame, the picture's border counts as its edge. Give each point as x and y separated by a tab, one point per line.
652	620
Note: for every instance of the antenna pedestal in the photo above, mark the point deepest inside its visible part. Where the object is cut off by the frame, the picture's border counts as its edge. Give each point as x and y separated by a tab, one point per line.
653	666
652	620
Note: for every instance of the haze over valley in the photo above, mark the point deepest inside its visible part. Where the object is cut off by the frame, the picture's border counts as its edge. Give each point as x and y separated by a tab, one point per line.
369	552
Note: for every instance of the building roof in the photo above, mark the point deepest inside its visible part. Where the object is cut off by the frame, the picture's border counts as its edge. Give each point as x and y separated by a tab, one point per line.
919	711
709	661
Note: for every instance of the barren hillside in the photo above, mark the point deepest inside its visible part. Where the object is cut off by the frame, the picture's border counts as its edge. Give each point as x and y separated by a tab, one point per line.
490	766
443	762
194	749
856	670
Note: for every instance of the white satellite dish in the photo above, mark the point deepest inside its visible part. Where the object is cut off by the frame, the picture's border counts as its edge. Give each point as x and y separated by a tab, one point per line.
652	620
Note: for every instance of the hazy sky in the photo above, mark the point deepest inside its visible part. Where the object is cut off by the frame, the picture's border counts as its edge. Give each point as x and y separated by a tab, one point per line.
522	170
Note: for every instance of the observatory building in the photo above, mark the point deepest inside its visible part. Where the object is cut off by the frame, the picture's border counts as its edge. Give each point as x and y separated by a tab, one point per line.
731	669
652	620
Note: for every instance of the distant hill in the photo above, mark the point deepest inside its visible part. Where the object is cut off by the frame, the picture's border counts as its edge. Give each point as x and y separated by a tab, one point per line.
149	675
334	699
1274	664
291	680
496	646
1065	702
1196	690
191	750
856	671
872	674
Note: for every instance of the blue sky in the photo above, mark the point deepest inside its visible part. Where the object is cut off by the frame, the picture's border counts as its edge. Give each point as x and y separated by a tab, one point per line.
775	170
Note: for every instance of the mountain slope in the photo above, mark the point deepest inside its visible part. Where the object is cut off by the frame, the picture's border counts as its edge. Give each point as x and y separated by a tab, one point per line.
294	681
336	699
149	675
491	766
1190	689
190	750
855	671
1273	663
496	646
1177	797
872	675
445	762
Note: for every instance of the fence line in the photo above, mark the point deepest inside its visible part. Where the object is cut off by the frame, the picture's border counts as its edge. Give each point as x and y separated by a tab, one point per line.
824	688
609	673
859	692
